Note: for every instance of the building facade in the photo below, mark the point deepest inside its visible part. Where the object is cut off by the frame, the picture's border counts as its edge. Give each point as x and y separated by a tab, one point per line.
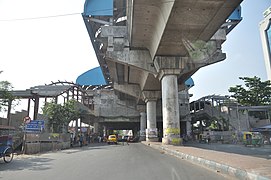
265	31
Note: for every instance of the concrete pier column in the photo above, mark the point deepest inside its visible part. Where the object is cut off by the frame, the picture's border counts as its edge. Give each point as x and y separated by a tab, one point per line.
170	106
105	131
185	112
143	125
150	98
143	122
96	127
36	106
151	131
188	129
169	69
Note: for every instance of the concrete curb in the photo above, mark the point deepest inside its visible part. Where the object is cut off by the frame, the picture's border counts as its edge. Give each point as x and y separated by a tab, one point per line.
225	169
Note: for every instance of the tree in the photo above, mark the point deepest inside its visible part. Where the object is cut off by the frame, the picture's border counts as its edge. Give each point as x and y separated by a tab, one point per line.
59	115
256	93
71	111
5	95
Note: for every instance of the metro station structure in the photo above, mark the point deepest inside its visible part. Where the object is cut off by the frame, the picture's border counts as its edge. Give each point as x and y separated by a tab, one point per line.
147	50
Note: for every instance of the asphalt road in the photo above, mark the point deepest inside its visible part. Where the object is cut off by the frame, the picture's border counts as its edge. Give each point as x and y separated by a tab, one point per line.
102	162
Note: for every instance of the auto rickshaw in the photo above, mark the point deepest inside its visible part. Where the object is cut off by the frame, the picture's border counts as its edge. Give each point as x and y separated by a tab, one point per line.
252	138
6	143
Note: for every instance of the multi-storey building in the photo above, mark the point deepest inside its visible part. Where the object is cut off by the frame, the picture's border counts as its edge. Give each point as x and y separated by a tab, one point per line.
265	30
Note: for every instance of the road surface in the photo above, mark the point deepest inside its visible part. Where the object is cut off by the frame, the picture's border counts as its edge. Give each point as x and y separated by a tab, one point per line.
102	162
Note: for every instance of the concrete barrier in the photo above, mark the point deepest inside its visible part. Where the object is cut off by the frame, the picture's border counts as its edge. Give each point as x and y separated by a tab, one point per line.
44	142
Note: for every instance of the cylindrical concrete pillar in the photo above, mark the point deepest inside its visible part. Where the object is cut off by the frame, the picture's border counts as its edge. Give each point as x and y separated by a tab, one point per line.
151	114
171	121
151	131
105	131
143	125
96	127
188	129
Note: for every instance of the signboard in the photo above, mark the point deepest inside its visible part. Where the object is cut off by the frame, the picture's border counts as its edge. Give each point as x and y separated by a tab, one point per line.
27	119
35	126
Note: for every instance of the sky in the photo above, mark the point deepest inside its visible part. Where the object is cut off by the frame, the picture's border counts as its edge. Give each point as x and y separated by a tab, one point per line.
46	40
36	51
244	55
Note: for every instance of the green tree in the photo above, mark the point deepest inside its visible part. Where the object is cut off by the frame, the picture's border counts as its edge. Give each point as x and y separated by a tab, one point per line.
5	95
59	115
255	92
71	111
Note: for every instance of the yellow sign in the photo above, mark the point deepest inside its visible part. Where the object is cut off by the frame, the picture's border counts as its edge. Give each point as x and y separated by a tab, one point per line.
175	131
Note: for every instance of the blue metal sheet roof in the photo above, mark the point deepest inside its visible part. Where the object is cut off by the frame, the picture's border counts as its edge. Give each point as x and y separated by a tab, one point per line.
92	77
236	14
98	8
189	82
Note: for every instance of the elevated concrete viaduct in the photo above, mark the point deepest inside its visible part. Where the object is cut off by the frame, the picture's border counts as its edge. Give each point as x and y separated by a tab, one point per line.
147	49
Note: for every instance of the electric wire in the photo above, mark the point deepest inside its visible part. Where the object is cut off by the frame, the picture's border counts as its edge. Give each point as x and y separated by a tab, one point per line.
69	14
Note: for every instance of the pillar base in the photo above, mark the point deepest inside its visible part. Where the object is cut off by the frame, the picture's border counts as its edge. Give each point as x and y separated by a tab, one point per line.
172	141
142	138
153	139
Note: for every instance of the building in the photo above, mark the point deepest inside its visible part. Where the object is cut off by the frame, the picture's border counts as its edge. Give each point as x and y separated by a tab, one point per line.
265	31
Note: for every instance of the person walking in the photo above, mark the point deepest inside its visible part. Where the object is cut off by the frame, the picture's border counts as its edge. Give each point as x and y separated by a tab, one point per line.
208	138
81	140
124	139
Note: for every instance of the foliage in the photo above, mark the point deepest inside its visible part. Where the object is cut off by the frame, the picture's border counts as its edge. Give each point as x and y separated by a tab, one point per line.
71	111
6	96
59	115
214	125
256	93
119	132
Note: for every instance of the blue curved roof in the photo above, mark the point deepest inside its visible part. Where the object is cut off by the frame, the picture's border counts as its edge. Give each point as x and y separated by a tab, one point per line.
98	8
92	77
95	77
189	82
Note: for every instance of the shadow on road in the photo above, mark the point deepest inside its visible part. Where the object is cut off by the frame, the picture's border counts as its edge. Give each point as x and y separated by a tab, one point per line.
23	162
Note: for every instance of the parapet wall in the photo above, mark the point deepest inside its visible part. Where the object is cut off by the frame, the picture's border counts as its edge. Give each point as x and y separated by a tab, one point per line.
44	142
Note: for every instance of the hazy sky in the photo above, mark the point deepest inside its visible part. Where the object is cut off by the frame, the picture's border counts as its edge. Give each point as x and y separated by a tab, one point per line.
46	40
40	50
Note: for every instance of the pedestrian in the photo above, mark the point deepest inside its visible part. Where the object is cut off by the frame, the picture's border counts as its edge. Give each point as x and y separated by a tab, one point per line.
105	139
124	139
208	138
234	138
88	138
71	139
81	140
